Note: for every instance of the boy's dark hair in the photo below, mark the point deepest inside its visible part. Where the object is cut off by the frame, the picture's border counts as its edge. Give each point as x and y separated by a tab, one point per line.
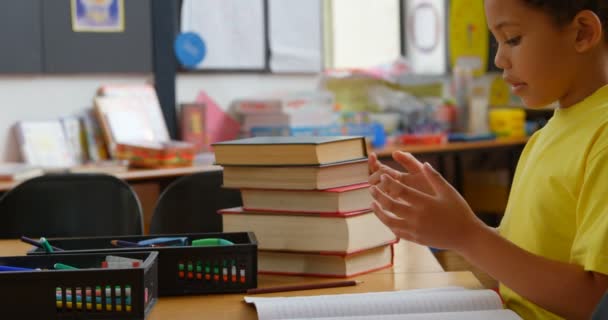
565	10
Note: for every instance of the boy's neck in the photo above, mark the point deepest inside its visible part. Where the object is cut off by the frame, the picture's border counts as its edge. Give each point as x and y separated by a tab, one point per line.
592	76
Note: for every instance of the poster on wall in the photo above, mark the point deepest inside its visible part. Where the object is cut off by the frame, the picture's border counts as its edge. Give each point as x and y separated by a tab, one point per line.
98	15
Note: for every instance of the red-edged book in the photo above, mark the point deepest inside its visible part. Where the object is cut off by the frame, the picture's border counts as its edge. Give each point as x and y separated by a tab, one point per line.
336	200
337	233
325	265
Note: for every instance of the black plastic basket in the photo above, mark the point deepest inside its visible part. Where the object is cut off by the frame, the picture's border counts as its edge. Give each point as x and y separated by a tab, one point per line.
185	269
87	293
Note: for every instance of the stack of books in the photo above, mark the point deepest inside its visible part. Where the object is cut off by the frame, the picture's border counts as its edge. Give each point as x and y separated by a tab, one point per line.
307	201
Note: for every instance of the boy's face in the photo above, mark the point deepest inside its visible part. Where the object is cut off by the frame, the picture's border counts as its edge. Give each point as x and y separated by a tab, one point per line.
533	51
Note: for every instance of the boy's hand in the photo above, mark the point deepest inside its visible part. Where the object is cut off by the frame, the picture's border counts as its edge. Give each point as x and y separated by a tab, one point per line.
413	177
440	219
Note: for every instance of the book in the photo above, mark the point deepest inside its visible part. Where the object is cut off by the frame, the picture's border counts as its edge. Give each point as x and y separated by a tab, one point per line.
96	146
303	150
129	112
44	144
74	134
192	125
307	232
325	265
219	125
319	177
17	171
335	200
450	303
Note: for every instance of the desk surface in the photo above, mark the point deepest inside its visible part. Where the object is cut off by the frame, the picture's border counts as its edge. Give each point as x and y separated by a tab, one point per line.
415	267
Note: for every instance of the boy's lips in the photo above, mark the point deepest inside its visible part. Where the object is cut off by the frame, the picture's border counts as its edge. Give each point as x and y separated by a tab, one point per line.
516	85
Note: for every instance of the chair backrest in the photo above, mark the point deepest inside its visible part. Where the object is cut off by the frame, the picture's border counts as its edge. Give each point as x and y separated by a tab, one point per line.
70	205
601	311
190	204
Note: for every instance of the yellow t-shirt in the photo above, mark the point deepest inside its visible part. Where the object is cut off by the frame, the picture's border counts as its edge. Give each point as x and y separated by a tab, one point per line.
558	206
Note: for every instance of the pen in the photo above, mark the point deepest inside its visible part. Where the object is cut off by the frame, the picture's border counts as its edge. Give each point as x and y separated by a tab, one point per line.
122	243
9	268
211	242
36	243
61	266
164	241
311	286
46	245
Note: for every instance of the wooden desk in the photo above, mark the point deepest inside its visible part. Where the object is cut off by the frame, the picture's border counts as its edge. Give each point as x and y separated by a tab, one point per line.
415	267
136	175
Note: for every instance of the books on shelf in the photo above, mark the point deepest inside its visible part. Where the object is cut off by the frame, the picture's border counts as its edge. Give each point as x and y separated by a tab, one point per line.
325	265
307	232
341	199
17	171
313	177
448	303
44	144
303	150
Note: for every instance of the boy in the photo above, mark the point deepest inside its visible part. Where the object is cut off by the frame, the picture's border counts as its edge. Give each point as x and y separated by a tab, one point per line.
551	251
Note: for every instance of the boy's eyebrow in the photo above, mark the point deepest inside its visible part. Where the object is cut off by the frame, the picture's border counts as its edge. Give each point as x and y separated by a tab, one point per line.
503	24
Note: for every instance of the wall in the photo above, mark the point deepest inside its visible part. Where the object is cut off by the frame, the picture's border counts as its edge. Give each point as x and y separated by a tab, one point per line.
50	97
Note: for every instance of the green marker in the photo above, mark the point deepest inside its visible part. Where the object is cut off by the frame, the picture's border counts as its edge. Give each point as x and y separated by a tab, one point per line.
46	245
207	242
61	266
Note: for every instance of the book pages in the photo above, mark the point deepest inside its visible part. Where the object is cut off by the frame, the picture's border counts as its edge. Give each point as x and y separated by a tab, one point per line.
459	315
382	303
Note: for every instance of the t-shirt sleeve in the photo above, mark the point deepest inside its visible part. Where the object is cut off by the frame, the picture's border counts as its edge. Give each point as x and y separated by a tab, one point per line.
590	246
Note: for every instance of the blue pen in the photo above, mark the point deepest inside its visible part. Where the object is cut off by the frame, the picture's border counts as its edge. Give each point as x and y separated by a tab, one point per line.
122	243
9	268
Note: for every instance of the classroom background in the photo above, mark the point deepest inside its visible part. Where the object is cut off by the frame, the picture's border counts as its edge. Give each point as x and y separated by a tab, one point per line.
141	89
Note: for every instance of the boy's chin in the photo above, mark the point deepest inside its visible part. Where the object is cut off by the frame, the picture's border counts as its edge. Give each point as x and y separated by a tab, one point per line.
535	103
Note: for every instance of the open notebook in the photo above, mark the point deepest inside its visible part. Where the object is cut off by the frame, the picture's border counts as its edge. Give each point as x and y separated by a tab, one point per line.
451	303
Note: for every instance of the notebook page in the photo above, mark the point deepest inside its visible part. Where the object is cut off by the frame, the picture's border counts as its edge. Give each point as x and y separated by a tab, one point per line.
462	315
385	303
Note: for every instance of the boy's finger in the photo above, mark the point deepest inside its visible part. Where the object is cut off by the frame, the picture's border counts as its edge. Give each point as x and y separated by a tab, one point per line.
398	208
388	219
373	163
408	193
435	179
374	178
408	161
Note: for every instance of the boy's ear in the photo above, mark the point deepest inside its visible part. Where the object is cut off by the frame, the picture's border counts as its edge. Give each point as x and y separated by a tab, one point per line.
589	30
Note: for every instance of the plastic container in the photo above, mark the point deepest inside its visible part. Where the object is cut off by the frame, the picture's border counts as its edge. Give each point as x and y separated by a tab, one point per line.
128	293
508	123
185	270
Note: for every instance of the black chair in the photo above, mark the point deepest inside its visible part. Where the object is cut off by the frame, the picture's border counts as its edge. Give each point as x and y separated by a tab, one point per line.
601	311
70	205
190	204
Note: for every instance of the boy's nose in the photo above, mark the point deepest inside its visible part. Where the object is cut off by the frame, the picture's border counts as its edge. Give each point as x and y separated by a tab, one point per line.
501	61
